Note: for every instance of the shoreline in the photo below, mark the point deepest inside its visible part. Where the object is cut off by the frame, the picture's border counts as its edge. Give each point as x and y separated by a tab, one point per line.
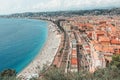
45	56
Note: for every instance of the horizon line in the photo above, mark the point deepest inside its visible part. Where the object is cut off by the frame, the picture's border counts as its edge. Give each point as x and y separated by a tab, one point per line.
58	11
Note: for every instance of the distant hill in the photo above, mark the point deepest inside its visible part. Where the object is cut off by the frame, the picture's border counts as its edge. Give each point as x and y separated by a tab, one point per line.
113	11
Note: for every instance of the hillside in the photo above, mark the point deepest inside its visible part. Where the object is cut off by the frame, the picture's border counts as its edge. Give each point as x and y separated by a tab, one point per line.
113	11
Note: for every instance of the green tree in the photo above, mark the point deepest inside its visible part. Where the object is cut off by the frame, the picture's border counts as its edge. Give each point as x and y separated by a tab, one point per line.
115	61
54	74
8	74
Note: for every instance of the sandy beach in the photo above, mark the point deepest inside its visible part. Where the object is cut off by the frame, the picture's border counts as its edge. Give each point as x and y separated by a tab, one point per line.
46	56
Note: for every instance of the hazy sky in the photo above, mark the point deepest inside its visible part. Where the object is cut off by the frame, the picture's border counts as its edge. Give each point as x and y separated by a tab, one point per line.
18	6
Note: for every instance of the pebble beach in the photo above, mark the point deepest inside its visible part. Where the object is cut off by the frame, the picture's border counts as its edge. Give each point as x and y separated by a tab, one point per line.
44	57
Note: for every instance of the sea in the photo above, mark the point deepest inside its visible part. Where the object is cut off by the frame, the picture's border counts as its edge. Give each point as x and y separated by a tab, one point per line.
20	42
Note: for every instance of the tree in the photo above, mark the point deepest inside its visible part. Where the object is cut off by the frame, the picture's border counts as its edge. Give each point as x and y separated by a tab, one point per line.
115	61
8	74
54	74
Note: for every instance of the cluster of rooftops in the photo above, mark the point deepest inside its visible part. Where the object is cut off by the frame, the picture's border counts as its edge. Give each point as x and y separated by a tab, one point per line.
99	37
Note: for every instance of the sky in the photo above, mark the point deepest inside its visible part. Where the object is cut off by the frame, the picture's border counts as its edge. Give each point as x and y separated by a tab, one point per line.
19	6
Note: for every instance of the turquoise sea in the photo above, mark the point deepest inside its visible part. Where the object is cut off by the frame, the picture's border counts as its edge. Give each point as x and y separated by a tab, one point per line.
20	42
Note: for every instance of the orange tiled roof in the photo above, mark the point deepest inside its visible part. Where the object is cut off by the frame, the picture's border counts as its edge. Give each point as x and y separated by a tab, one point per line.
89	33
88	51
115	41
74	52
102	22
98	47
100	32
113	30
104	39
74	61
118	46
87	46
108	49
103	25
93	41
88	25
80	24
101	48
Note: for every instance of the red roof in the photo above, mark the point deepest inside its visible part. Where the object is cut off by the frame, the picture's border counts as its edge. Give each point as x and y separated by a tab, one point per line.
102	22
74	61
100	32
104	39
108	49
115	41
74	52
